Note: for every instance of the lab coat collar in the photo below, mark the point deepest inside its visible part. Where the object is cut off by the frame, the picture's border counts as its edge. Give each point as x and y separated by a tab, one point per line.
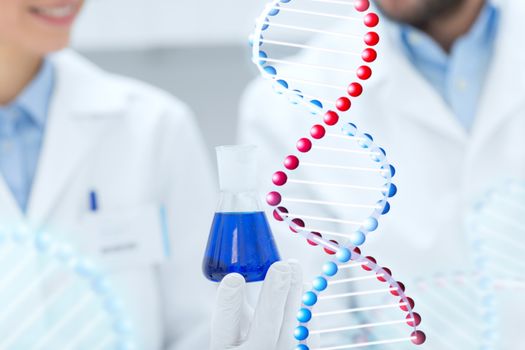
503	97
412	96
100	95
85	105
497	102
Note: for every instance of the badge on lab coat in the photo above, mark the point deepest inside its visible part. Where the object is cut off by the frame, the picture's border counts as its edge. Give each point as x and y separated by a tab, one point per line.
126	239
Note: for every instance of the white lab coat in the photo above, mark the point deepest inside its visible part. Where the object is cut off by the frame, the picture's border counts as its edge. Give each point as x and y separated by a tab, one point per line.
139	149
441	167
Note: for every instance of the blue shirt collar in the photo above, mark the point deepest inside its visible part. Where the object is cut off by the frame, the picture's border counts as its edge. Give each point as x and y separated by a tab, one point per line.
419	45
36	96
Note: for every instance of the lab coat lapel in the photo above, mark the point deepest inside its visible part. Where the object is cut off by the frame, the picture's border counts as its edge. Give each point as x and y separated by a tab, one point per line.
10	212
82	109
409	94
504	93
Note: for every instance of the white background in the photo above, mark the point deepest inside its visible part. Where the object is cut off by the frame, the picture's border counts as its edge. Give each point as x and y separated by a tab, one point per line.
123	24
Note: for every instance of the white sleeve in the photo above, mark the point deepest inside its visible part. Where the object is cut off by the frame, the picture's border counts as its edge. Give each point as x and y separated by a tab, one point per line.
189	199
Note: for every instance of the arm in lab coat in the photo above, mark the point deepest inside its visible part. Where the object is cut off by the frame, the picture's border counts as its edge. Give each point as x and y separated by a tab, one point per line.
189	193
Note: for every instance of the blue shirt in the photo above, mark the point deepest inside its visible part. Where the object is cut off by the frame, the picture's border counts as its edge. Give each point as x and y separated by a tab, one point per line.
458	76
22	124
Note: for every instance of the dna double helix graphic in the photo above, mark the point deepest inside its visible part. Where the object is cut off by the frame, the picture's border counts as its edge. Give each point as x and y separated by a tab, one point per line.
318	54
496	227
53	298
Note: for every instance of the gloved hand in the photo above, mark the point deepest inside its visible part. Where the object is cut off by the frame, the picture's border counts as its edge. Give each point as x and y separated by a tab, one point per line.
235	326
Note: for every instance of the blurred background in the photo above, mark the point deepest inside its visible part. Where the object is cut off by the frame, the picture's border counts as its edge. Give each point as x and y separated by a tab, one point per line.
195	49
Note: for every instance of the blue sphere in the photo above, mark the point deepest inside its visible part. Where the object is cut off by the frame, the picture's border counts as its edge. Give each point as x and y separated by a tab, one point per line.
343	255
101	286
283	83
391	191
386	208
350	129
274	11
304	315
263	55
301	333
357	238
309	298
330	269
317	104
270	70
388	171
371	224
266	25
302	347
377	156
320	284
85	269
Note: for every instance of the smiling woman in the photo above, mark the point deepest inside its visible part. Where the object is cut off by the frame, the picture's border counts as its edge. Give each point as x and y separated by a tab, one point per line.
71	132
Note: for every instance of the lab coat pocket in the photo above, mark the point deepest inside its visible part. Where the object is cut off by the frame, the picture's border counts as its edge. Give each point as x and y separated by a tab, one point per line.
123	239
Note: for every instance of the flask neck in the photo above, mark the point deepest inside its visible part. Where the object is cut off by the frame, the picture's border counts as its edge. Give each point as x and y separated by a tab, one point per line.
239	202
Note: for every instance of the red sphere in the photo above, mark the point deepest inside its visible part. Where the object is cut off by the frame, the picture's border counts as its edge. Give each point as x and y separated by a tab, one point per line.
367	267
383	278
312	242
362	5
317	132
304	145
343	104
406	307
371	20
418	337
371	38
357	250
415	321
369	55
291	162
355	89
397	292
273	198
279	178
297	223
364	72
330	251
331	118
277	213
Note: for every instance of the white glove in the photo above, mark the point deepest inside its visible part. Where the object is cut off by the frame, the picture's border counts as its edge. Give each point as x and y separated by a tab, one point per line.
273	322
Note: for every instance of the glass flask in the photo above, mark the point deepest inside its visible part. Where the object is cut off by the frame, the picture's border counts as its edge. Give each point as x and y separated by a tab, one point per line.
240	237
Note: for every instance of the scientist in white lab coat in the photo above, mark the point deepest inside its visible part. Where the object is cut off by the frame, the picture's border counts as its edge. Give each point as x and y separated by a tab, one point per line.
447	102
84	153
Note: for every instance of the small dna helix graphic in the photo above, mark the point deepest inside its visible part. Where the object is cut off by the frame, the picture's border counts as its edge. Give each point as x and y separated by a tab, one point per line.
496	227
318	54
53	298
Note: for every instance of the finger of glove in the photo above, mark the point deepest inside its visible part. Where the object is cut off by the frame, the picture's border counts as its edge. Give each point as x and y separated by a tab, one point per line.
293	303
268	318
228	312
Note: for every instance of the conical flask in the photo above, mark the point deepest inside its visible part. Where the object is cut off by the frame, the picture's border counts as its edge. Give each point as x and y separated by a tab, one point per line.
240	237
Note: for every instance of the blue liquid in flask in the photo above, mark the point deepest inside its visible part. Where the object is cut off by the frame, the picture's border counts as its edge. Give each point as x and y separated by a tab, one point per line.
242	243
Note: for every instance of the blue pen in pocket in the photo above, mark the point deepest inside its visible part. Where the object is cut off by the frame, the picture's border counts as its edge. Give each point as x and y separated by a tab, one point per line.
93	201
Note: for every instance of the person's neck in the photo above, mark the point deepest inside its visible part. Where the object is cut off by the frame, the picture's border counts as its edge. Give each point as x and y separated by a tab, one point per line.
17	69
451	26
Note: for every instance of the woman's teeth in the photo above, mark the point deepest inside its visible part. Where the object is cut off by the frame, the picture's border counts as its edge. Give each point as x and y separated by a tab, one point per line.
56	11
